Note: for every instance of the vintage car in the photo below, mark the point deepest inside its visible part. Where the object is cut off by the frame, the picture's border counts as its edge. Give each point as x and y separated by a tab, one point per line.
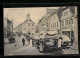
11	39
51	42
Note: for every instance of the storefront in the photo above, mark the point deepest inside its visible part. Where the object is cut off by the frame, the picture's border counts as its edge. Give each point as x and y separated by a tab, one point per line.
68	32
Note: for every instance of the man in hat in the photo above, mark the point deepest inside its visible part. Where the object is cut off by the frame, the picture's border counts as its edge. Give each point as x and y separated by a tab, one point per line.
23	41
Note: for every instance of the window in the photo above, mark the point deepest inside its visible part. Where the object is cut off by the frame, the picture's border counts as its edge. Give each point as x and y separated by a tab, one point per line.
62	23
51	25
66	23
71	21
55	24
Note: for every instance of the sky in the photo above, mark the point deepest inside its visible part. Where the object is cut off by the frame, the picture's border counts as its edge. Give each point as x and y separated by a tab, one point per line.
19	15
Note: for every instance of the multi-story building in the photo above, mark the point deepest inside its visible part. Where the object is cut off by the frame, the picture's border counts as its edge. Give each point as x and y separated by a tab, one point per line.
18	29
27	27
8	27
69	22
44	22
55	23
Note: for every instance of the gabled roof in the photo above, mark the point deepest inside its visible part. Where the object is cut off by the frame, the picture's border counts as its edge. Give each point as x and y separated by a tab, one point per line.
29	21
59	12
72	8
61	9
51	11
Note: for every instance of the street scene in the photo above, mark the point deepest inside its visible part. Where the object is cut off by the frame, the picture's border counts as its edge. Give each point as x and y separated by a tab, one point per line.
41	31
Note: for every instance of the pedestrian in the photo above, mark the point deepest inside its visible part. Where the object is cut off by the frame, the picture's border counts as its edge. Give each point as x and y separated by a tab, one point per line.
59	42
23	41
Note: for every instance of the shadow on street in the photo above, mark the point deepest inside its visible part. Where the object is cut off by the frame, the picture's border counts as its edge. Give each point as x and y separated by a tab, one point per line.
54	51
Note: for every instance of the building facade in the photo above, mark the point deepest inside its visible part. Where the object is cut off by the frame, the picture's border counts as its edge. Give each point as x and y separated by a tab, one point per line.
8	27
27	27
42	24
45	22
69	23
55	23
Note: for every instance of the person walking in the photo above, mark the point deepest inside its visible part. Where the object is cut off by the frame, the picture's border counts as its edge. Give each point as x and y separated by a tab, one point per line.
23	41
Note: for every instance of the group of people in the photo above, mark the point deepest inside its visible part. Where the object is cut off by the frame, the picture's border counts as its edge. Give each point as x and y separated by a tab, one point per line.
31	42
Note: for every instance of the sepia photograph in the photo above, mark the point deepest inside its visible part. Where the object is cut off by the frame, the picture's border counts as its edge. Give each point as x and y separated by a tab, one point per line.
40	30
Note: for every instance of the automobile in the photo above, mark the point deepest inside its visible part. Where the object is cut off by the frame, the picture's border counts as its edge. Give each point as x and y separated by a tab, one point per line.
11	39
51	42
65	42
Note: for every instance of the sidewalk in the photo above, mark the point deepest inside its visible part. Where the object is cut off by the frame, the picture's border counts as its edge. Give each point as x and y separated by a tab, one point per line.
75	46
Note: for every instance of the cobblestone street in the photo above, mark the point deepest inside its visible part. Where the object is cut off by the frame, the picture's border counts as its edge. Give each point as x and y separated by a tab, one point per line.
19	49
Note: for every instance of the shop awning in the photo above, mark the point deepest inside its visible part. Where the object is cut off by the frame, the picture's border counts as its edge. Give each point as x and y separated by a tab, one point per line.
64	37
52	32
